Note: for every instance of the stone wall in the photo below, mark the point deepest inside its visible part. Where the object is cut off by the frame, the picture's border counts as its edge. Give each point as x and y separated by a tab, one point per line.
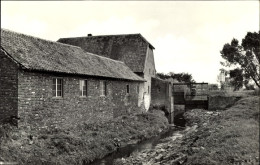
8	88
38	109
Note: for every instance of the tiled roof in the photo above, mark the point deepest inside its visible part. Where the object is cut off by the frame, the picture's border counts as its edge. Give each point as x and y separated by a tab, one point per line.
129	48
43	55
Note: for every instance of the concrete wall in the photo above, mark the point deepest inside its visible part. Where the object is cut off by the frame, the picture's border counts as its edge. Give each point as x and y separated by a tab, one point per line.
38	109
8	87
161	94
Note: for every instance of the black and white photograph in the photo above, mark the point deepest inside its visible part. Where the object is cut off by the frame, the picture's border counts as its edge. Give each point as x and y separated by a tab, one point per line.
130	82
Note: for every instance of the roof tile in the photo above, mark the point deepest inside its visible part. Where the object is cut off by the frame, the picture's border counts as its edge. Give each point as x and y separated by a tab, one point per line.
38	54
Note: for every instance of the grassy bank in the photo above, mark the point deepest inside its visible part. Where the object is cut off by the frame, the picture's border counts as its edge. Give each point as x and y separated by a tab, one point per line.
220	137
226	137
222	100
87	142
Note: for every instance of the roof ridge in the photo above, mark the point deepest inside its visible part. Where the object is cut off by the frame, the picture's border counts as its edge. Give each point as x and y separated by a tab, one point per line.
83	37
105	35
102	57
38	38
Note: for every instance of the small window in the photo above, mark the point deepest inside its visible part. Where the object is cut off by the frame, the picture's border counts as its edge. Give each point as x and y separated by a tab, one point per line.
103	88
127	89
83	87
137	88
57	87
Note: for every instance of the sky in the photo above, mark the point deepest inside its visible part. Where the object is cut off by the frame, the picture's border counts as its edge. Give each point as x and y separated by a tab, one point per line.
187	35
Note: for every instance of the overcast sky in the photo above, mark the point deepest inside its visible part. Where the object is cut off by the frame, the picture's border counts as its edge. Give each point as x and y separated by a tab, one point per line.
187	36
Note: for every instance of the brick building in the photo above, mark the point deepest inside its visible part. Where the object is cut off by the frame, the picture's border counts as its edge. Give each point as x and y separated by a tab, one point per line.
132	49
47	83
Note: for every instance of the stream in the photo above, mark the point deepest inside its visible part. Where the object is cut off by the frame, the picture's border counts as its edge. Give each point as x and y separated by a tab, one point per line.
173	132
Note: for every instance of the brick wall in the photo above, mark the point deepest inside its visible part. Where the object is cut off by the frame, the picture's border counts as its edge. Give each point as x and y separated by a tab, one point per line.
8	87
131	49
38	108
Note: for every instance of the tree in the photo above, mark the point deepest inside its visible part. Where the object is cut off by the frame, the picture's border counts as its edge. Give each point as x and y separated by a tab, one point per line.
237	81
163	76
181	77
245	58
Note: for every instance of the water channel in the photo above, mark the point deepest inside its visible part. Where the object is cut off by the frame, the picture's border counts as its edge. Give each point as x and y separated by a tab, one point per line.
174	132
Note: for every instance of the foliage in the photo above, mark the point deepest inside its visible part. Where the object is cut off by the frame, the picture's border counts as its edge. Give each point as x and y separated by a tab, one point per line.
245	58
181	77
237	81
85	143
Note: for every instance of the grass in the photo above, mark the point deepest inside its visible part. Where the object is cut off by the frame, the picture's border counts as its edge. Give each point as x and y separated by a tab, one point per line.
229	137
228	93
84	144
222	99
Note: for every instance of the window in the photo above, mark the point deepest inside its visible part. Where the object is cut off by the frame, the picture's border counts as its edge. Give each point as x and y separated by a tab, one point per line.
137	88
83	84
103	88
57	87
127	89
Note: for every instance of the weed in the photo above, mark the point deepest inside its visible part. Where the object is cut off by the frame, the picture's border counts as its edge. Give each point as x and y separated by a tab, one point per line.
227	137
84	144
